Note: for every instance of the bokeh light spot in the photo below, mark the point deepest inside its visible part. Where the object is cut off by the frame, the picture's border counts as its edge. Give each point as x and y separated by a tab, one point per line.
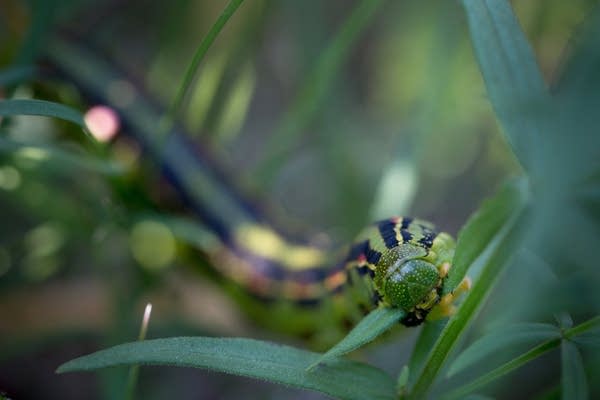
44	240
152	244
103	122
10	178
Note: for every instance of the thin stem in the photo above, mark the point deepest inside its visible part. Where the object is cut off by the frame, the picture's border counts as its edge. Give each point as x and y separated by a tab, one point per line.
134	370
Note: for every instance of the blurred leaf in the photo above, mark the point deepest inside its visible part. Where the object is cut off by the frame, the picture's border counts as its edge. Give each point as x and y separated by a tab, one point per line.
314	89
581	71
504	369
368	329
188	78
578	92
523	359
402	381
275	363
479	231
42	108
500	339
15	75
587	333
574	382
498	251
187	230
425	342
513	80
52	154
42	13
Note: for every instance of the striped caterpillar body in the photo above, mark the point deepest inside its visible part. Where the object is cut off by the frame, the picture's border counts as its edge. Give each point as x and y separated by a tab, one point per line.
398	262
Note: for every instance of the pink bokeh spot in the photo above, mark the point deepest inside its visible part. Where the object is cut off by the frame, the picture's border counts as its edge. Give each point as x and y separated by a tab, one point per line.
103	122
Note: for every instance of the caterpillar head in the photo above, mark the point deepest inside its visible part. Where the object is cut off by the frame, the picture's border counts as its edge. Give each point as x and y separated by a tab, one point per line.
405	281
410	277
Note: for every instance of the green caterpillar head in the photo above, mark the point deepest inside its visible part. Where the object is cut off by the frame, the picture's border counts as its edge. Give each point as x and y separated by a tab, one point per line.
410	277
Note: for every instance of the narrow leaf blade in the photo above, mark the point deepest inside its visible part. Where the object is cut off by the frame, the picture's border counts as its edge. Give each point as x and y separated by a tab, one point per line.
41	108
369	328
514	83
574	381
497	254
504	369
500	339
16	74
262	360
57	157
479	230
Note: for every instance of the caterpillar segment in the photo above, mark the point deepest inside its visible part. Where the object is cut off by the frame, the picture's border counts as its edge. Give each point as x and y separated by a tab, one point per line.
398	262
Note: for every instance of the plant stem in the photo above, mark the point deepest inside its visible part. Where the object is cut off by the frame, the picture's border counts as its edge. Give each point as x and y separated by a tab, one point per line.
134	371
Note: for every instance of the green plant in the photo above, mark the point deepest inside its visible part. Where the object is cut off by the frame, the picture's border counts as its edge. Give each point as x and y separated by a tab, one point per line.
540	213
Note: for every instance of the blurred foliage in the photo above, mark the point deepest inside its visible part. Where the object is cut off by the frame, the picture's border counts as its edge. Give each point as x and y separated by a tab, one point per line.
383	111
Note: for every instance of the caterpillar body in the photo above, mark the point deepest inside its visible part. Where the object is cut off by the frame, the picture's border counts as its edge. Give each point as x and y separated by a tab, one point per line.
398	262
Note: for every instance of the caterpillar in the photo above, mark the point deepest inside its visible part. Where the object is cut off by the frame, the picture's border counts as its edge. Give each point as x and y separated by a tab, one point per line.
398	262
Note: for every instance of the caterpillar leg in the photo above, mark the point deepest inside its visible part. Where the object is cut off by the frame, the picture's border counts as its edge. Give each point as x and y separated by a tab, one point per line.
446	307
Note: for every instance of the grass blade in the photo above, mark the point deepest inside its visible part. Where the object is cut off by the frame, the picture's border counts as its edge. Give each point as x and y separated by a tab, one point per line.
504	369
479	231
497	253
427	338
501	339
60	157
275	363
205	44
14	75
369	328
514	83
41	108
314	89
523	359
574	381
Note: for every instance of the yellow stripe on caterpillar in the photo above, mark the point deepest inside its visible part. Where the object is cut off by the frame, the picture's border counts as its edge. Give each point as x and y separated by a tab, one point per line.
266	243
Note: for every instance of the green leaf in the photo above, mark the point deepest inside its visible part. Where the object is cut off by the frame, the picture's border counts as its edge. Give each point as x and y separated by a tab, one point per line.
187	230
201	51
42	108
309	100
574	381
523	359
368	329
580	74
579	94
479	231
275	363
500	339
425	342
15	75
61	158
513	80
402	381
496	255
504	369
